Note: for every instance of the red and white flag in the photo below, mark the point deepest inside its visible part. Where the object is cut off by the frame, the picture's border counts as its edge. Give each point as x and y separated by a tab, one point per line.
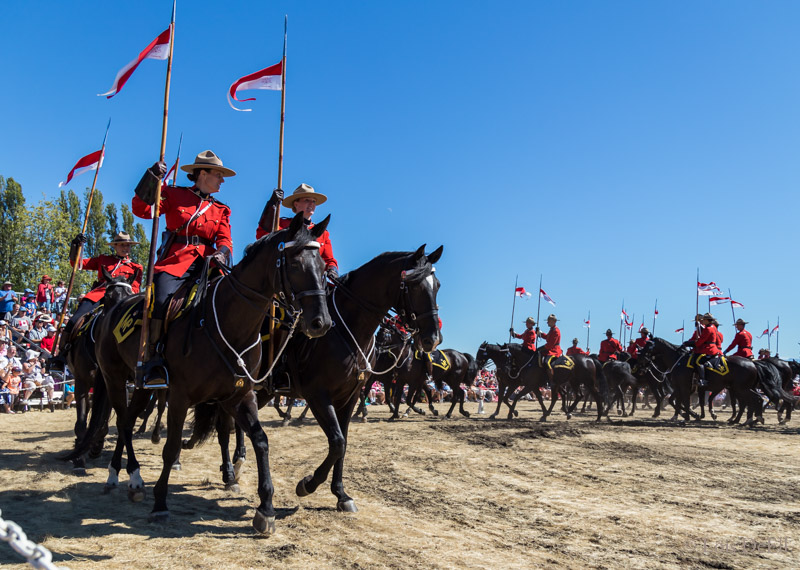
157	49
623	315
89	162
736	304
680	330
774	330
268	78
707	289
546	297
656	315
718	300
628	324
641	326
521	292
587	324
171	174
766	332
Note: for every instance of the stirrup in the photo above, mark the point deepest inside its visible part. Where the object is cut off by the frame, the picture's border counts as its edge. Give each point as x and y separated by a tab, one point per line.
152	375
282	388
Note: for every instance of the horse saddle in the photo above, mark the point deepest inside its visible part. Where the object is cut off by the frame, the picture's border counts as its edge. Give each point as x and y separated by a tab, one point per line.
437	358
84	323
565	362
717	364
282	322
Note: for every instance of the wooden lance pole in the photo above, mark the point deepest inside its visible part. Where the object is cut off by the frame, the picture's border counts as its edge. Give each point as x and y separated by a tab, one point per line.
148	291
588	329
538	306
79	257
655	315
276	217
513	306
733	313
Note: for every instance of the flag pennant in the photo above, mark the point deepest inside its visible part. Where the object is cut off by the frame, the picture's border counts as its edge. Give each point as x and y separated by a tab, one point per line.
707	289
89	162
267	78
157	49
766	332
546	297
172	173
623	315
736	304
628	324
680	330
718	300
774	330
587	324
656	315
641	326
521	292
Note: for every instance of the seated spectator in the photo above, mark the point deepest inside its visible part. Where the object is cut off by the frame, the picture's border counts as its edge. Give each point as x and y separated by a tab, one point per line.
10	358
29	301
31	377
38	332
10	376
50	337
20	321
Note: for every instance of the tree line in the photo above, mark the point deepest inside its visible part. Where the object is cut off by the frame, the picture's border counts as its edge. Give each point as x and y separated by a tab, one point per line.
34	240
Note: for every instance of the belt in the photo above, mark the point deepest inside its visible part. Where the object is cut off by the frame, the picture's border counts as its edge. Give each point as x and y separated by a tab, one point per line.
193	240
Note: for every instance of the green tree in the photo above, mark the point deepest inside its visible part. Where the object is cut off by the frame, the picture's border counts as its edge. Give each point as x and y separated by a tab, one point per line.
111	221
12	222
97	228
139	253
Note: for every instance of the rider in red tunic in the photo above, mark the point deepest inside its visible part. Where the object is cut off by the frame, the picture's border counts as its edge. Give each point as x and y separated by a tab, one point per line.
304	199
742	342
552	345
575	349
528	336
198	226
642	340
118	264
609	348
705	346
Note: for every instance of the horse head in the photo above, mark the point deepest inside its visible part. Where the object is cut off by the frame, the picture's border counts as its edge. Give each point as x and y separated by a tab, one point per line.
416	302
301	273
117	288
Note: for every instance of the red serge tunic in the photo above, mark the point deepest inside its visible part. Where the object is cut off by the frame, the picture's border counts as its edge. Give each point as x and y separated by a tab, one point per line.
528	339
743	342
608	348
325	250
115	266
208	219
575	350
552	342
707	342
640	342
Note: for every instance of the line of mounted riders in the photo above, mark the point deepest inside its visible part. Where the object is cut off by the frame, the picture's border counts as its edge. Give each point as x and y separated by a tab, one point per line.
208	338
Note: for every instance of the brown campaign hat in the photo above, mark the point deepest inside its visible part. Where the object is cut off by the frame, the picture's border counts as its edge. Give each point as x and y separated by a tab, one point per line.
740	322
304	191
209	161
122	237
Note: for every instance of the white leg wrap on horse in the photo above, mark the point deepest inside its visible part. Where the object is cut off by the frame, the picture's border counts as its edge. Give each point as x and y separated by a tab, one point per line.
136	481
113	477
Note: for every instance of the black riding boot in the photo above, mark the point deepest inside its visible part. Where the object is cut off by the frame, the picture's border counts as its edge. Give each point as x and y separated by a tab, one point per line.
701	376
153	374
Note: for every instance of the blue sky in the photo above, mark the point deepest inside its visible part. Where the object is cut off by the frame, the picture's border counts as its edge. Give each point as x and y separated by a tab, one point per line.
612	147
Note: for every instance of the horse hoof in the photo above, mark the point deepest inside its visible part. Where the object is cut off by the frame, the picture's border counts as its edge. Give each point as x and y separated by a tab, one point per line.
620	413
760	420
714	417
516	413
79	471
186	444
448	416
543	419
136	495
155	438
782	422
158	517
285	423
569	416
493	417
364	419
109	488
405	415
301	487
94	454
466	414
234	488
434	412
263	524
348	506
176	466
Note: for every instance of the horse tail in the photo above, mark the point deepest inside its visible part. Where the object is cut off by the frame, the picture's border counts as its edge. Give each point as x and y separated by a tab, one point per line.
769	379
98	418
205	420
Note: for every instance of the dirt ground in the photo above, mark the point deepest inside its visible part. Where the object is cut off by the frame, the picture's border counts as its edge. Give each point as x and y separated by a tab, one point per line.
431	493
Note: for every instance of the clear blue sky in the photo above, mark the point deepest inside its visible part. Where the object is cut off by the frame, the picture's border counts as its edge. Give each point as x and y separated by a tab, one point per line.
613	147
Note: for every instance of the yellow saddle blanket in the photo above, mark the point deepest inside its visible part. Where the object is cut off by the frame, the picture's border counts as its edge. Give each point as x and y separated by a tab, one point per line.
437	358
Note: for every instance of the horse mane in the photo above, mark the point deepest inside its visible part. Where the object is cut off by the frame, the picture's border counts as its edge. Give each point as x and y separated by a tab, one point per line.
668	344
303	235
387	257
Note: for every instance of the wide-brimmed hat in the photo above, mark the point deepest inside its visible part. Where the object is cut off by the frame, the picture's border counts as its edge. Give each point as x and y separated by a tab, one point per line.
31	354
530	319
551	316
7	283
122	237
609	331
46	278
304	191
740	322
708	316
644	331
51	328
210	161
575	340
45	319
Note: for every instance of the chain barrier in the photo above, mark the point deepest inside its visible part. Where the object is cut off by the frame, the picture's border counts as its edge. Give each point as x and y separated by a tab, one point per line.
37	555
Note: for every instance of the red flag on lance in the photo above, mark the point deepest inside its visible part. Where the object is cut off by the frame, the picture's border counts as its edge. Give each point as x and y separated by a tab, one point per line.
157	49
707	289
267	78
624	315
641	326
774	330
766	332
629	324
736	304
656	314
587	324
546	297
89	162
521	292
718	300
680	330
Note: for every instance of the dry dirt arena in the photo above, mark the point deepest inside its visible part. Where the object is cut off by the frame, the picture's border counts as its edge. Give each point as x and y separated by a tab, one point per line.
431	493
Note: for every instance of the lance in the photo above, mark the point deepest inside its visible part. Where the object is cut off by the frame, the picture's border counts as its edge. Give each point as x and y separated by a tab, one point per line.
588	329
733	312
513	306
769	344
79	256
148	291
777	336
655	314
538	306
621	318
275	218
177	163
683	331
697	303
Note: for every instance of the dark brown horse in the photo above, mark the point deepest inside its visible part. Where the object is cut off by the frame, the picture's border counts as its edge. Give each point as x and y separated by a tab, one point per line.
516	367
213	352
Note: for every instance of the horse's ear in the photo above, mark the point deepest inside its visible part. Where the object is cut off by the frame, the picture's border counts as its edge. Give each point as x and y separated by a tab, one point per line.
320	228
420	252
106	275
296	224
437	253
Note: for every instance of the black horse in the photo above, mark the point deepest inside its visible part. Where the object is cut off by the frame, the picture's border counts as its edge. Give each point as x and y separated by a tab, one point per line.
213	350
82	362
392	351
775	378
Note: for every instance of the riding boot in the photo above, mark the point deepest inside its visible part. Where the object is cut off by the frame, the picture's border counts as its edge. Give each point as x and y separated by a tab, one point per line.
153	374
429	368
549	374
701	376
